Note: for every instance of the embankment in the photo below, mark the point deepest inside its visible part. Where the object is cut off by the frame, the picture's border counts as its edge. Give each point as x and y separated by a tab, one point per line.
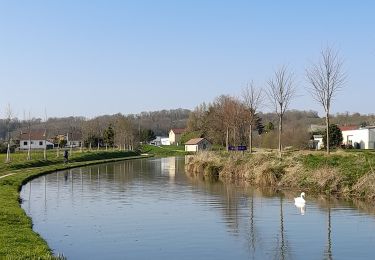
345	174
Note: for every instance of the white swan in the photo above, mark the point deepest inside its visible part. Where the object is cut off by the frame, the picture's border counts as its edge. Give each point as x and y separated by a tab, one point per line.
300	200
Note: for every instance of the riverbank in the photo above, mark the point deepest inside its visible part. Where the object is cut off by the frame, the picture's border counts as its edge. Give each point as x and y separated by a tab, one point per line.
17	239
345	174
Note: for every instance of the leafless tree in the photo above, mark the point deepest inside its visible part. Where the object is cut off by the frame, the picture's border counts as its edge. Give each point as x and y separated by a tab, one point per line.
9	117
252	99
281	91
45	134
29	132
326	78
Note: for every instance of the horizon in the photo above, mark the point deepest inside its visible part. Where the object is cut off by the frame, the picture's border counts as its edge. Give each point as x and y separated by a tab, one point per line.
92	58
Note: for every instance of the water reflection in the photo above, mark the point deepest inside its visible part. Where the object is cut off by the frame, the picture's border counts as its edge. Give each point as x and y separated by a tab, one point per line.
151	208
301	208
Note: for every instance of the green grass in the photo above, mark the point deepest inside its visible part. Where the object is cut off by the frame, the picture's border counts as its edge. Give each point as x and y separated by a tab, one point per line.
17	239
351	165
164	150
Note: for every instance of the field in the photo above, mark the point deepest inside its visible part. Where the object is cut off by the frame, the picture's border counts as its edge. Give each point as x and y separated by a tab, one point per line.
164	150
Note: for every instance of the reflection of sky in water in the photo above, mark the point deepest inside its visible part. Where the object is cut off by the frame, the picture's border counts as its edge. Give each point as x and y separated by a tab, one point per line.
151	209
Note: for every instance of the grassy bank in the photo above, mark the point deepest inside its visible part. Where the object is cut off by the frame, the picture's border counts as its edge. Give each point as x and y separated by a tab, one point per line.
164	150
347	174
17	239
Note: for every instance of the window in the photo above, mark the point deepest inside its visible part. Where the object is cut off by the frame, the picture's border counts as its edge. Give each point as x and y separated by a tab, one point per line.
25	143
32	142
40	142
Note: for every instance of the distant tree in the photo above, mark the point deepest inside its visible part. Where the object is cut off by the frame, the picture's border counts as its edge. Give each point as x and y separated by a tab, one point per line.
326	79
147	135
252	99
281	92
269	127
109	136
335	136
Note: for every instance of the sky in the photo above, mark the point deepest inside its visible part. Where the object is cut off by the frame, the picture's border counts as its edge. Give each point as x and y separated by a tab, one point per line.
89	58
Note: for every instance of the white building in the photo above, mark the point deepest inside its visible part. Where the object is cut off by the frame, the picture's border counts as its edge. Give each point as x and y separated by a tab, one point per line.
175	135
197	144
159	140
36	140
318	142
361	138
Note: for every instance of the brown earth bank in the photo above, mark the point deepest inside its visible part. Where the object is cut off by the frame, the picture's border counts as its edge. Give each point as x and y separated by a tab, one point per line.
343	174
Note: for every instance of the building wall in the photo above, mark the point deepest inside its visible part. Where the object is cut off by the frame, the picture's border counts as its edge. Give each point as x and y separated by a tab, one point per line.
360	136
191	147
73	144
172	137
35	144
372	138
165	141
202	146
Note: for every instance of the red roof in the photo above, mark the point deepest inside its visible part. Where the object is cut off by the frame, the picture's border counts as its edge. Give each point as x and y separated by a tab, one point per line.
178	130
34	135
348	127
194	141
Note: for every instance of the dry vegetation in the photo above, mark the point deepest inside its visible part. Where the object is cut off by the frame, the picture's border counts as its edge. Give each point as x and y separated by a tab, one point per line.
346	174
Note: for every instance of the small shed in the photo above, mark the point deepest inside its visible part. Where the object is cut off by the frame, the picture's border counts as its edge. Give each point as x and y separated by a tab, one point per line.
197	144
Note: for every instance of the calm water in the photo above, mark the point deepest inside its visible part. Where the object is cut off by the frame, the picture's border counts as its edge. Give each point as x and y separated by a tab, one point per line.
152	209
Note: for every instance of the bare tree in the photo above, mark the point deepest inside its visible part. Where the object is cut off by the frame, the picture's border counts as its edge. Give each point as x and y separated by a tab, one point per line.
9	117
29	132
252	99
45	135
281	92
326	78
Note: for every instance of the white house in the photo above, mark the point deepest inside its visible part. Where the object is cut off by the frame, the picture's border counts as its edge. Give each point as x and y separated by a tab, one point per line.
175	135
159	140
197	144
36	140
361	138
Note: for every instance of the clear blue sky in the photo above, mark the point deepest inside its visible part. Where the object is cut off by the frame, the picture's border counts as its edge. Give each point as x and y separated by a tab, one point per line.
102	57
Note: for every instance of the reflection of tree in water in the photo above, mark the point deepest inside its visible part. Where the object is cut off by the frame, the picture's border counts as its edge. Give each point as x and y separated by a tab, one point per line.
328	250
252	237
282	250
226	196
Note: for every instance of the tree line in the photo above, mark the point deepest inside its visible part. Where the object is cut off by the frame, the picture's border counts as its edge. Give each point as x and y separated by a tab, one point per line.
231	120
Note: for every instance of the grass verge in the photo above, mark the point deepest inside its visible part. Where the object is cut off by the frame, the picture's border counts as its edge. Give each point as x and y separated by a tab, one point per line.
17	239
164	150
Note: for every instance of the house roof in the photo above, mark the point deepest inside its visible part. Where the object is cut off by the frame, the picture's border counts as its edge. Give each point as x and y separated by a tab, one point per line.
348	127
194	141
178	130
34	135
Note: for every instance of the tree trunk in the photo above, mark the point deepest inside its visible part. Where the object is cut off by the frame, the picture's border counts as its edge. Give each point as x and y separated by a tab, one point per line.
8	153
251	138
227	139
234	136
280	133
327	131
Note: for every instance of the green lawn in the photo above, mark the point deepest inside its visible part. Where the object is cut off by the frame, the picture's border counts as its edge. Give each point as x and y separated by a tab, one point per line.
17	239
164	150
